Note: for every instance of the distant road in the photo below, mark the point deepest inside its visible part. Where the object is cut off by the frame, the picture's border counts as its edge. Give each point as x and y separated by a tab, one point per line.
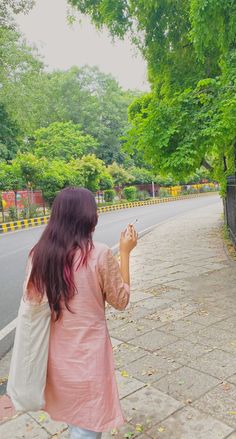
15	246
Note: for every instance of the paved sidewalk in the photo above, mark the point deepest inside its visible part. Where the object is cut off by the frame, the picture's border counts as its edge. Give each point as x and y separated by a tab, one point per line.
175	346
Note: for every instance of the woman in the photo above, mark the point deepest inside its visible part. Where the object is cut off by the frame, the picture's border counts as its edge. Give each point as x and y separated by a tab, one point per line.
77	276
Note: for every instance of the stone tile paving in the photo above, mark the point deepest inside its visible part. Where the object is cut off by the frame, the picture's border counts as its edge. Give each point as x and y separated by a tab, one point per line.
220	402
217	363
186	384
151	368
183	352
190	423
148	406
126	353
175	345
23	427
49	425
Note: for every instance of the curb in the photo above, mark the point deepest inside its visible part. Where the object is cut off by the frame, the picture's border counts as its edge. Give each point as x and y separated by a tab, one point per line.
23	224
33	222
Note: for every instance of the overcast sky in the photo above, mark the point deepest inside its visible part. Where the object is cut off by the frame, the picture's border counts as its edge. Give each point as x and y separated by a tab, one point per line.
63	46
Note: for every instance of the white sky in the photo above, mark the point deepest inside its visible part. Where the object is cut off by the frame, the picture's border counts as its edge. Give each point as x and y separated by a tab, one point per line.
63	46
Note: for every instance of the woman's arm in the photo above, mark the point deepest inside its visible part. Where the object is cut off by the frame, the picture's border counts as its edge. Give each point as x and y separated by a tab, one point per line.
115	279
128	241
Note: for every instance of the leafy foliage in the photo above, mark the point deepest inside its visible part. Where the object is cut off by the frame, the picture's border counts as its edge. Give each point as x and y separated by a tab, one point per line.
119	174
188	119
142	175
63	140
20	75
10	177
90	169
130	193
88	98
109	195
9	135
10	7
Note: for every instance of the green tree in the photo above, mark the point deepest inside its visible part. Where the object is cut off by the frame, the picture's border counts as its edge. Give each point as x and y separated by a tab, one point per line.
195	128
63	140
106	181
86	97
89	98
188	119
142	175
55	175
20	74
119	174
10	177
90	170
29	168
8	8
9	135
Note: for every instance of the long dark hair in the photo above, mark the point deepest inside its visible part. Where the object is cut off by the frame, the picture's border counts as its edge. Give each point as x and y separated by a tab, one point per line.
72	222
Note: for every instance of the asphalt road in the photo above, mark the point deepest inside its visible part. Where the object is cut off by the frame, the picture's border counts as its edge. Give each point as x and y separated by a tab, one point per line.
15	246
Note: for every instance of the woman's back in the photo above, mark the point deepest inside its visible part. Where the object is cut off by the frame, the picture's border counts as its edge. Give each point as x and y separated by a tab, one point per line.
80	366
77	276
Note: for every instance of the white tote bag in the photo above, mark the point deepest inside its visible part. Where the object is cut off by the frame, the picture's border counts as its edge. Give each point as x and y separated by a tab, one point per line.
28	369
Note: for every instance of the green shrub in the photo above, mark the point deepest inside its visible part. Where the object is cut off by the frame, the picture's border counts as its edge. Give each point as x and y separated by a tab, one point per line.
33	211
24	213
163	193
130	193
12	212
143	195
109	195
192	190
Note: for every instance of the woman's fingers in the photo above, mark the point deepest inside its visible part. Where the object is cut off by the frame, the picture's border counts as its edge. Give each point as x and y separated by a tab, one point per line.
129	233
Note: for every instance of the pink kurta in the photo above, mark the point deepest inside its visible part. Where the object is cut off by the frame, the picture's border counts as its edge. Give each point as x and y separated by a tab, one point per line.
81	388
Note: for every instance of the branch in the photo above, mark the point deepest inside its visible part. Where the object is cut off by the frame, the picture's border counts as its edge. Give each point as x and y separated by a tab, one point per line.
207	165
225	164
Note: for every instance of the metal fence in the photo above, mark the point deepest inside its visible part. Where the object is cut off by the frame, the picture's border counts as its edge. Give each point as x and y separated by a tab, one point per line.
230	207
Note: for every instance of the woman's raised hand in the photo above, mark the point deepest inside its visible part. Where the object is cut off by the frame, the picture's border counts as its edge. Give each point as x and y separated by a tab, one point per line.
128	239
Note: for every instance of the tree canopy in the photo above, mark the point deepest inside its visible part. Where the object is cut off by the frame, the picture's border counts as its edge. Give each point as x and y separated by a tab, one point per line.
188	119
34	98
79	127
9	135
63	140
8	8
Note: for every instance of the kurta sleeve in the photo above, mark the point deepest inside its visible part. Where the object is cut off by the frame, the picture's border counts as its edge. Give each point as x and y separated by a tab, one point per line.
114	289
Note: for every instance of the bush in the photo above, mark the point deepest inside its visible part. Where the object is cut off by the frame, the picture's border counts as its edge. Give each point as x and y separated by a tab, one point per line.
143	195
12	212
206	189
109	195
33	211
24	213
192	190
130	193
163	193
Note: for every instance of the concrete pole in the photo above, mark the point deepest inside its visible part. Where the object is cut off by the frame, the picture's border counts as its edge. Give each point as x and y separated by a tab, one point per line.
153	189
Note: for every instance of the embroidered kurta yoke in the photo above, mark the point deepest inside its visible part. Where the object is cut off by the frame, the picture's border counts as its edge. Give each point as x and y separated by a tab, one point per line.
81	388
